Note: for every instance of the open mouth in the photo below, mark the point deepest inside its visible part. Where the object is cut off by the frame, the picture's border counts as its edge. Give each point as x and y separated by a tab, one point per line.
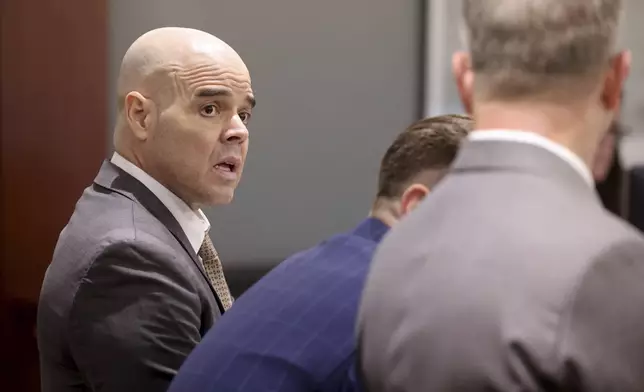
224	166
229	165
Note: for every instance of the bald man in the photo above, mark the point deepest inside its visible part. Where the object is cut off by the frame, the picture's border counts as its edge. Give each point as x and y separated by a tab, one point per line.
135	281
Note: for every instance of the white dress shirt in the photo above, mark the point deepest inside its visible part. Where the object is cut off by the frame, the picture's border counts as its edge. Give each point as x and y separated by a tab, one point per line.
537	140
193	223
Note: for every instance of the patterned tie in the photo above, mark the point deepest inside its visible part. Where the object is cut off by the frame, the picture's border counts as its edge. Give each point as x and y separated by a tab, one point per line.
215	272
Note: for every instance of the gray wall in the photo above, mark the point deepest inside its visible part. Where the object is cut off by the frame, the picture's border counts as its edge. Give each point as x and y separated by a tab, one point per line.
335	81
633	147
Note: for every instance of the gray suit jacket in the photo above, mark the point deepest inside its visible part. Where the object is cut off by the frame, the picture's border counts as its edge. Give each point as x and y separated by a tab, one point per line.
509	277
125	298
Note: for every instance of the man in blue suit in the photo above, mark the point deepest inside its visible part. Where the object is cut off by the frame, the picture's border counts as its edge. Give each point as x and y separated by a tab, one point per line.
294	329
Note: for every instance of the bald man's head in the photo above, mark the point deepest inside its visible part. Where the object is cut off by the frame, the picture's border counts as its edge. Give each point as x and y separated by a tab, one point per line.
160	53
185	98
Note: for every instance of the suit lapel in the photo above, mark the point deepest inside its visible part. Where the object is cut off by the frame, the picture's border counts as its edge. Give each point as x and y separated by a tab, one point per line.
113	178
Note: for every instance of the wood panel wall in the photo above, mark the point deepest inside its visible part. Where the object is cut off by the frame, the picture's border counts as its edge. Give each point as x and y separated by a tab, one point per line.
54	119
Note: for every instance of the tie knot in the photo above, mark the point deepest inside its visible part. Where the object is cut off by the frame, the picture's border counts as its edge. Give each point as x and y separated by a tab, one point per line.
207	249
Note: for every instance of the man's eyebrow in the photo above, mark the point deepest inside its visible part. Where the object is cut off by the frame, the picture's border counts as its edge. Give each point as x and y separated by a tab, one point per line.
210	92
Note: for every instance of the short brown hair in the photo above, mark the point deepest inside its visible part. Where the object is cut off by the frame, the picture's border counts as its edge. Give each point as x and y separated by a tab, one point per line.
522	48
431	143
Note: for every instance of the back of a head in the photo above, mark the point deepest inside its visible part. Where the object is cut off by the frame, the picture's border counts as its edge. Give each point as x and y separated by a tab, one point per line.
529	48
430	144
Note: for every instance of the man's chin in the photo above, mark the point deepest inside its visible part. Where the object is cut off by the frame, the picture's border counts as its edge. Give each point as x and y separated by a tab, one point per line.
221	197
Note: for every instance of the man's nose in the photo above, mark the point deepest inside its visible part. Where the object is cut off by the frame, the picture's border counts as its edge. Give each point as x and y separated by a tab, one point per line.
236	132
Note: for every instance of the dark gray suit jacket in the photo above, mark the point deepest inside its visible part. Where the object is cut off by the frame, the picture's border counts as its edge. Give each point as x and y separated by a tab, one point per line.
509	277
125	298
636	197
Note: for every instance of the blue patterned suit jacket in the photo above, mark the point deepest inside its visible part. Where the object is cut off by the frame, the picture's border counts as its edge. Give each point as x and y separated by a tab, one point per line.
294	329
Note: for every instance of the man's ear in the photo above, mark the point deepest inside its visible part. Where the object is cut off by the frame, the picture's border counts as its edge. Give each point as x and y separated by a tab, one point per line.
464	78
414	194
140	113
620	67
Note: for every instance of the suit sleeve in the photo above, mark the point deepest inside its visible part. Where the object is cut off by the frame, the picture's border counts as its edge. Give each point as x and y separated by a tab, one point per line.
134	319
601	342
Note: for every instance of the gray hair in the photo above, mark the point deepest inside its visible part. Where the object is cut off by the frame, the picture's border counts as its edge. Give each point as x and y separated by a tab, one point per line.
522	48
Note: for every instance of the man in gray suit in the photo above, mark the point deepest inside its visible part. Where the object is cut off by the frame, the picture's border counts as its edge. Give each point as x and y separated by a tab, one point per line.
135	281
511	276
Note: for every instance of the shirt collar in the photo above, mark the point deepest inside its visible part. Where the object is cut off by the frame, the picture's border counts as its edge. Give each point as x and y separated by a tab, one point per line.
372	229
194	224
532	138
